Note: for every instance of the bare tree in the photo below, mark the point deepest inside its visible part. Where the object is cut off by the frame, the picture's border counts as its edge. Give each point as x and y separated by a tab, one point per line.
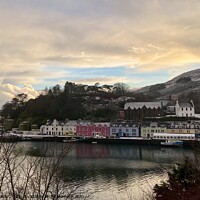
34	177
120	88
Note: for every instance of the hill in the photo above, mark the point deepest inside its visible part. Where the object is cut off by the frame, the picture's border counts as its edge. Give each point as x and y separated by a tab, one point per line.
181	85
96	103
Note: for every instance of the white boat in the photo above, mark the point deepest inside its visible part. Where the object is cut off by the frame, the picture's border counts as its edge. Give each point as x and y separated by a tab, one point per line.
169	143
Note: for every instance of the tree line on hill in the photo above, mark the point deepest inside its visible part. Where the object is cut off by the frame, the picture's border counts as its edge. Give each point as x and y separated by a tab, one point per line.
75	101
70	102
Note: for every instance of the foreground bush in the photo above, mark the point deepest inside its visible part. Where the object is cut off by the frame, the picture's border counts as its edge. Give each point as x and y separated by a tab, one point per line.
183	182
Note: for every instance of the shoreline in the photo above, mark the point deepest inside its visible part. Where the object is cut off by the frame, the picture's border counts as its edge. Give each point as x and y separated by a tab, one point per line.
134	141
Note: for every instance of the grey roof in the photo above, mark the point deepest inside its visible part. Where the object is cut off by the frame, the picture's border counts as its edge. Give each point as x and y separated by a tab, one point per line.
124	124
140	105
185	105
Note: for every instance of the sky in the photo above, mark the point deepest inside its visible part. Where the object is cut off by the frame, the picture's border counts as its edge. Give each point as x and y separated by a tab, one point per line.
137	42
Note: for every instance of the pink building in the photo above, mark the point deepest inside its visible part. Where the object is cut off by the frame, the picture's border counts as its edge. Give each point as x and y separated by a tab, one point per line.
93	129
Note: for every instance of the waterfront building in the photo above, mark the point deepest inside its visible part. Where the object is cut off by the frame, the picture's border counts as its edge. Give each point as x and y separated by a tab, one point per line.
8	124
70	127
53	128
173	136
93	129
184	128
137	111
64	128
124	129
149	128
24	126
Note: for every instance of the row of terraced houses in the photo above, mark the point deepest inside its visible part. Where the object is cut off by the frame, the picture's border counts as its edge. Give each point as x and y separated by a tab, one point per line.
117	129
134	112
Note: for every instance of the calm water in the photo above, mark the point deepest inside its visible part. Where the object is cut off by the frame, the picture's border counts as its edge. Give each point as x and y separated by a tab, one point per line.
114	171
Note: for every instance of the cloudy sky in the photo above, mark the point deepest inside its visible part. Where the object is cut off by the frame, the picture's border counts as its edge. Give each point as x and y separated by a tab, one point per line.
138	42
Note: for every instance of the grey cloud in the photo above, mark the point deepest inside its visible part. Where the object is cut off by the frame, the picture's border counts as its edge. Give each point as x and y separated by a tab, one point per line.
147	34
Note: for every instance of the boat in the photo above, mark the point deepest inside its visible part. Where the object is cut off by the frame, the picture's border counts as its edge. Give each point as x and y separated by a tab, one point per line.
70	141
73	140
169	143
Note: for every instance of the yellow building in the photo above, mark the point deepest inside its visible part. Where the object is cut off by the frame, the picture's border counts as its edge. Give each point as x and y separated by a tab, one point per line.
147	131
70	128
183	130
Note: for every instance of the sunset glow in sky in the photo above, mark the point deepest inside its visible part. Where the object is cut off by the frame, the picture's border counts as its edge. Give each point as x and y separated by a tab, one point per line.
138	42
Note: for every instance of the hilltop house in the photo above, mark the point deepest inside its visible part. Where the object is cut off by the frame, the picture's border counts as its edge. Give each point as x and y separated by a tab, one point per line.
137	111
185	109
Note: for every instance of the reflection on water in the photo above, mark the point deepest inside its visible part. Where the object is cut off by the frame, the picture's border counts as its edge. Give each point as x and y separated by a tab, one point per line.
113	171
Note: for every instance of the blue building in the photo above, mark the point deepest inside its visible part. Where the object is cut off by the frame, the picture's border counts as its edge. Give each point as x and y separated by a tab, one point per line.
124	129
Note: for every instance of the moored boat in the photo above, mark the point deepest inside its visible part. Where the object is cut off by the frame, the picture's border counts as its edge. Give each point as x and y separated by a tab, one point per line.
169	143
71	140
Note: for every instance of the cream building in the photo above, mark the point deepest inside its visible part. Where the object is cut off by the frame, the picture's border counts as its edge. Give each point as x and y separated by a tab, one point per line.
59	128
147	131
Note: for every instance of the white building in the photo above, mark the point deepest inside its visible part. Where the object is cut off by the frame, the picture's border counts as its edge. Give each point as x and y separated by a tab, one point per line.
185	109
59	128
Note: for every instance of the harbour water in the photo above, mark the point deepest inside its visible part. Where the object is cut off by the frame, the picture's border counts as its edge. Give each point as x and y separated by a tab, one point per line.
108	171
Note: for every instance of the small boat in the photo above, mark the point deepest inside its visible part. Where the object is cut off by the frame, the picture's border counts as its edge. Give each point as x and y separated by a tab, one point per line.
94	142
169	143
71	140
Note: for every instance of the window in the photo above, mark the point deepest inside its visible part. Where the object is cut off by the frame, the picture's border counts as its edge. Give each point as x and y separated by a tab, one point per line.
114	130
127	130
